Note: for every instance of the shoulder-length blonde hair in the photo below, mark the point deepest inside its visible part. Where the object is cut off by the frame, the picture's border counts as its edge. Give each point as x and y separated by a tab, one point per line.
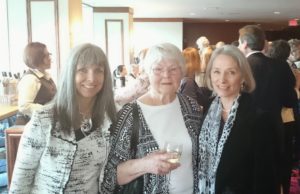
66	102
239	57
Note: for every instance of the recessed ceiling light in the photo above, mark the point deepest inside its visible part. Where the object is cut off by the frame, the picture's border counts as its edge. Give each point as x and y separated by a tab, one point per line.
276	12
227	20
192	14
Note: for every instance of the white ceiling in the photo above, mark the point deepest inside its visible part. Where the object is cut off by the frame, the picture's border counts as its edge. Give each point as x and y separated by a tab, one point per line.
209	10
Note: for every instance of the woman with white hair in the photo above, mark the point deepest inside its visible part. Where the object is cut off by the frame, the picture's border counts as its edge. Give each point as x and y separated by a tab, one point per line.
163	115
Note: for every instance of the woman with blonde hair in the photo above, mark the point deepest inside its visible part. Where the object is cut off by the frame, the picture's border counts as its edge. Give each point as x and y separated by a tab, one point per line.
204	59
236	140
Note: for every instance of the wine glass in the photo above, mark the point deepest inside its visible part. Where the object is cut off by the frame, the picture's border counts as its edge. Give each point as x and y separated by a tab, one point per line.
176	150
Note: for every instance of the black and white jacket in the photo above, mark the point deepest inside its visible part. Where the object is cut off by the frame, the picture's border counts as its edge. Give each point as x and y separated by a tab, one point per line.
46	158
120	150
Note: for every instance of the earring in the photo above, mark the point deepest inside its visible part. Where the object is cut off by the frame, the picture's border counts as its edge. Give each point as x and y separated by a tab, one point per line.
242	86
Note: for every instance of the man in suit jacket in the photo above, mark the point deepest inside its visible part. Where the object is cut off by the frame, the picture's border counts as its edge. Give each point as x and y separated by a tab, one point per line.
270	93
252	43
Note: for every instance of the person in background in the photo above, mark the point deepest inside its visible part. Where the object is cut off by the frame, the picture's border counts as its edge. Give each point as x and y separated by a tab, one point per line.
236	138
294	57
220	44
134	71
202	42
137	87
164	115
188	86
280	50
36	87
271	93
235	43
65	145
294	61
267	94
204	59
120	76
267	46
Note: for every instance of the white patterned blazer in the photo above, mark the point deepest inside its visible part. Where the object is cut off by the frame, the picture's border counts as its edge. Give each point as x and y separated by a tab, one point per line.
45	157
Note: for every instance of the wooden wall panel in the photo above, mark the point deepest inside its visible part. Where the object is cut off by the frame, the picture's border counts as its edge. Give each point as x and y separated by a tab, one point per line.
226	32
12	139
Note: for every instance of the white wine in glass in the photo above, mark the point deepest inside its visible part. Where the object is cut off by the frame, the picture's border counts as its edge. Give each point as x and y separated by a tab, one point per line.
175	149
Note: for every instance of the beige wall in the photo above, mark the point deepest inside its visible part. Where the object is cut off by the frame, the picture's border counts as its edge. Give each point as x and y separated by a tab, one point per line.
149	33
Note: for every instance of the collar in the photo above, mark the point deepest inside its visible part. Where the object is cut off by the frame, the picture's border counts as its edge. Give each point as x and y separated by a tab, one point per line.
252	52
40	74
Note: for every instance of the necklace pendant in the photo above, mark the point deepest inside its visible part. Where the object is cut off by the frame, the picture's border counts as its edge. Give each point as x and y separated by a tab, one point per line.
86	126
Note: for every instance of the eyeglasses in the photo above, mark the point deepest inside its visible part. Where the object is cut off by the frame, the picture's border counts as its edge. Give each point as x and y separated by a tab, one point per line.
160	71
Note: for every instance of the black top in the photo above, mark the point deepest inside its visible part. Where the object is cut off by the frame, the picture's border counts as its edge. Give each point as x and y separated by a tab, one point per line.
248	164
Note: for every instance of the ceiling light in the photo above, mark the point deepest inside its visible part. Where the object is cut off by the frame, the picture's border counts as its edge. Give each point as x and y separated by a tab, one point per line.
227	20
276	12
192	14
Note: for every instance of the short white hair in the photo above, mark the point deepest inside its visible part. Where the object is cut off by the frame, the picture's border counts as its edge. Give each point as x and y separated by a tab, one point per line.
163	51
202	42
220	44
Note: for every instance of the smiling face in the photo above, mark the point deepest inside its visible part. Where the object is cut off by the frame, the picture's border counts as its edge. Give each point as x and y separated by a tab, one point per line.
165	78
226	77
89	81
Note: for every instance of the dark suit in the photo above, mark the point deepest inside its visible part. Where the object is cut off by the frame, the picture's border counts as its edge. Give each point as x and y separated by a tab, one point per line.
288	98
247	164
275	84
266	94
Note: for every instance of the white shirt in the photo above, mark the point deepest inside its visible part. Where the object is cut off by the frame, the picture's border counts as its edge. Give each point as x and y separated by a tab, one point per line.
166	124
28	88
